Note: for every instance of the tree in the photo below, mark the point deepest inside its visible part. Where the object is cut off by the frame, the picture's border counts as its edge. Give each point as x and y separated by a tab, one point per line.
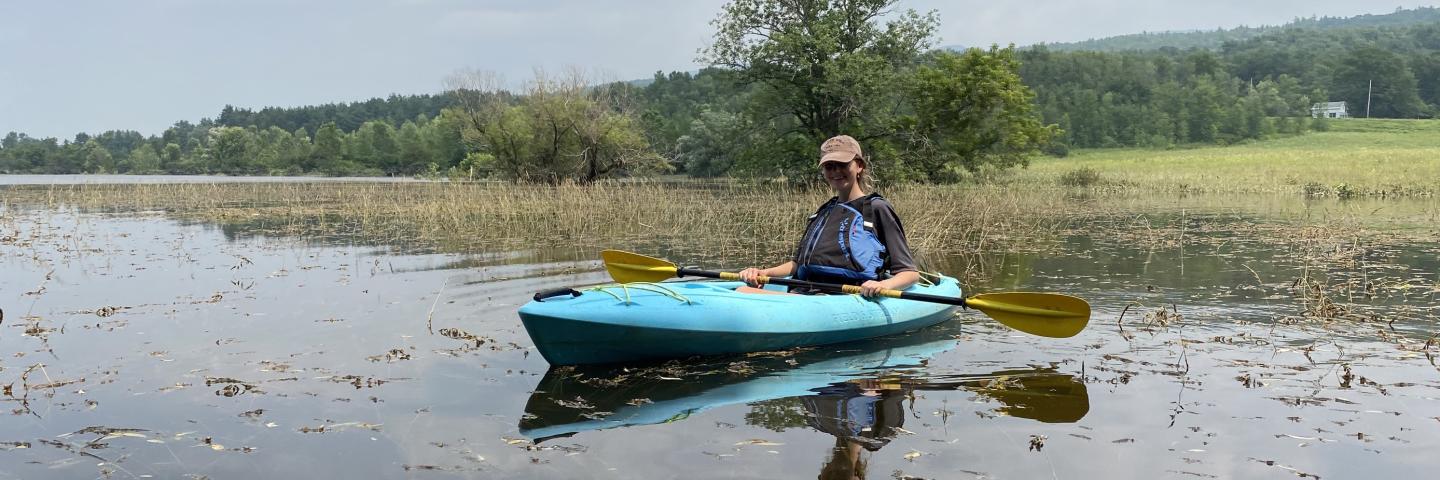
144	160
386	151
559	131
971	109
232	150
327	156
294	154
1394	93
715	140
826	67
413	157
827	63
170	158
96	158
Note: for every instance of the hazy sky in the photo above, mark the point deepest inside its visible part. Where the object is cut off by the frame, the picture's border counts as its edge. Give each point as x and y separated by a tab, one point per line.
69	66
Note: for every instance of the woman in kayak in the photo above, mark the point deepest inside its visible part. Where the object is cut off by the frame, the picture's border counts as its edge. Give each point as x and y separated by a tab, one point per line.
855	238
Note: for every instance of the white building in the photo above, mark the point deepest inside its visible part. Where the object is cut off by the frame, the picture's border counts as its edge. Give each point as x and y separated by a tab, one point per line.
1329	110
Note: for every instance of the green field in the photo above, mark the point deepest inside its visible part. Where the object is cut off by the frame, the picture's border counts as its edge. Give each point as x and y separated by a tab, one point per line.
1355	157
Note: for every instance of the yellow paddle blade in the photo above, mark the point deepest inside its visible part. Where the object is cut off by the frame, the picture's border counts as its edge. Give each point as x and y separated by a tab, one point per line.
1044	314
1047	397
626	267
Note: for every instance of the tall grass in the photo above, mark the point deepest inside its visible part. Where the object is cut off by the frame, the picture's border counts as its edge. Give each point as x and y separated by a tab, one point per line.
743	222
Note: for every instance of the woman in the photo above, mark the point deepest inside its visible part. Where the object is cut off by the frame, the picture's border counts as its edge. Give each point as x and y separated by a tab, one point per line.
854	238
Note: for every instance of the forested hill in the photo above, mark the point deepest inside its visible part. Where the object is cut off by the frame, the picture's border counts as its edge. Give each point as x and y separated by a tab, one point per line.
1214	39
395	109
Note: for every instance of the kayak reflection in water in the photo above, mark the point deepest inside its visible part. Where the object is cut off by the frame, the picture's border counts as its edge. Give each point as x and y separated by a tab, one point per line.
863	415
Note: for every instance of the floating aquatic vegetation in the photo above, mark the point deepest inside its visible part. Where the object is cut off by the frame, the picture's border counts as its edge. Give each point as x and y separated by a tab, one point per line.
359	382
231	387
330	426
394	355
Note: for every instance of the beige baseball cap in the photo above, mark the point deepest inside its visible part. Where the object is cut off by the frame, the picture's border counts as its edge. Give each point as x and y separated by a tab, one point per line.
840	148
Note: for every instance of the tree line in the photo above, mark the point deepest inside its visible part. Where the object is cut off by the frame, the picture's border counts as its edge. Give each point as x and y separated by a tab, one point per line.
375	147
784	75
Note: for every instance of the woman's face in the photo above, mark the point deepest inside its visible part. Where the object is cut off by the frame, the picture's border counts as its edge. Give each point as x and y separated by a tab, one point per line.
840	175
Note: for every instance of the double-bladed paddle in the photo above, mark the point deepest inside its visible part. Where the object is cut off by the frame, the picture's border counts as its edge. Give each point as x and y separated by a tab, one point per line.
1044	314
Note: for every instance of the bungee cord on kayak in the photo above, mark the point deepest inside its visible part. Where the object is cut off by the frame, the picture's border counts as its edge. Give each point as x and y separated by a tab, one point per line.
646	286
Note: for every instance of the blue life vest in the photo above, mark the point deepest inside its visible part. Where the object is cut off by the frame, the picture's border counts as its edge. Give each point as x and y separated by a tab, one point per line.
843	246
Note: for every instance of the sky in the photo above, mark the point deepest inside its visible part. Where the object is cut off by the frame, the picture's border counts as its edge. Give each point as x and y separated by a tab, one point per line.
69	66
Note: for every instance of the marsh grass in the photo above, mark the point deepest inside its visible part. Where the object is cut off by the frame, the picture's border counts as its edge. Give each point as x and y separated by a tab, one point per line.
731	221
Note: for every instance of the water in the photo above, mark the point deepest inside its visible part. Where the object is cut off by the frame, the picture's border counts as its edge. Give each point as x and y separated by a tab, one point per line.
135	345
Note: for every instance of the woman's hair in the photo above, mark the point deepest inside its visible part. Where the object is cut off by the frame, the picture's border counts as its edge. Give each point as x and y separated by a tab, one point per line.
842	466
867	181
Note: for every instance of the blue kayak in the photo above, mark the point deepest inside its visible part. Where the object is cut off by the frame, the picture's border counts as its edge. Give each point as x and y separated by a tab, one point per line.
652	321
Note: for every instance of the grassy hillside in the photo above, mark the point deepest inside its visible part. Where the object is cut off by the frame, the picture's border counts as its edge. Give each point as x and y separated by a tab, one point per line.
1356	157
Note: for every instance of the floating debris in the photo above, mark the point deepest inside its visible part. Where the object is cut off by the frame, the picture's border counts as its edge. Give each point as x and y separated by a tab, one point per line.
394	355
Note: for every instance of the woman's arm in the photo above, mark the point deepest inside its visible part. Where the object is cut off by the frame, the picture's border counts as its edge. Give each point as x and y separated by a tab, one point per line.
900	281
750	275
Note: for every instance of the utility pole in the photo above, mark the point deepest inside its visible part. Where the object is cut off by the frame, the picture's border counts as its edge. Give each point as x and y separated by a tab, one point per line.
1368	89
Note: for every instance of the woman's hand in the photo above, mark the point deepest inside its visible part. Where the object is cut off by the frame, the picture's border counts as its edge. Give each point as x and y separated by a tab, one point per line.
751	276
871	288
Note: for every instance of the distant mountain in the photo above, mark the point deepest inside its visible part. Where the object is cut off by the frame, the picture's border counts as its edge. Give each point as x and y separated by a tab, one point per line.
1214	39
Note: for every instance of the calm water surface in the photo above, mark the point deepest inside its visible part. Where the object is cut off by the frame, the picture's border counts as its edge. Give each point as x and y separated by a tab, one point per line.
136	346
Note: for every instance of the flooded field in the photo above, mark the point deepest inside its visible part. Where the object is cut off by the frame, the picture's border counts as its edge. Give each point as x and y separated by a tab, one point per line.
1248	337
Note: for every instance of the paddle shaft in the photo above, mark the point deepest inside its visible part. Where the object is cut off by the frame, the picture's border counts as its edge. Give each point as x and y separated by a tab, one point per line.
831	287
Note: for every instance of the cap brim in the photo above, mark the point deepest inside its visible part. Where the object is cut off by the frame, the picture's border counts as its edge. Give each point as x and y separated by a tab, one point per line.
842	157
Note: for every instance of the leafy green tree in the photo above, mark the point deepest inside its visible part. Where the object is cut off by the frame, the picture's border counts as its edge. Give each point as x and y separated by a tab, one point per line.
96	158
383	147
232	151
559	131
170	158
1394	94
195	158
294	153
820	68
360	148
443	138
971	109
713	143
327	156
413	156
1427	75
1204	106
144	160
827	63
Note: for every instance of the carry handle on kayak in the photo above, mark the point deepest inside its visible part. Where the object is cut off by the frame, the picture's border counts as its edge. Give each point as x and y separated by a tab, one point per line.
544	294
829	287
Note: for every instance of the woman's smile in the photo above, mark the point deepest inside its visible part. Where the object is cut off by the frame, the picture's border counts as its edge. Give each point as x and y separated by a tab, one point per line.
838	174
